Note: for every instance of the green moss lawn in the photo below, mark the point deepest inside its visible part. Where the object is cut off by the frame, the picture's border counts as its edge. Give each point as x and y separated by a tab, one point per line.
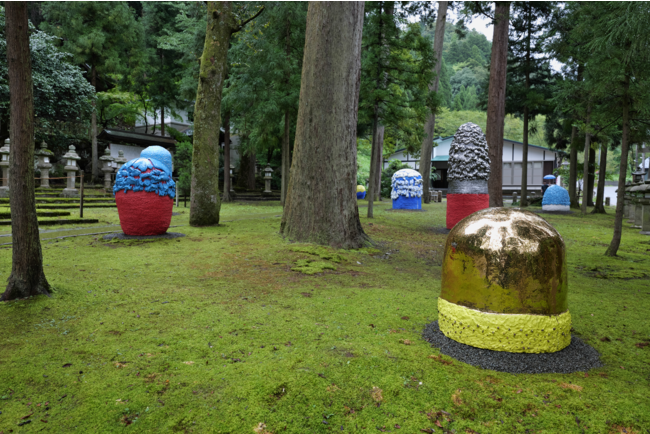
233	329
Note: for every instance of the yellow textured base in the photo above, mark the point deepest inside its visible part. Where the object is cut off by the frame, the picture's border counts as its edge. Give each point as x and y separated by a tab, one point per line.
515	333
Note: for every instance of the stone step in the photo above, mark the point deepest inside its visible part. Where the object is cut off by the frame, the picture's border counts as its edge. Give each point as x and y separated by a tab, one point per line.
75	206
57	195
7	215
46	222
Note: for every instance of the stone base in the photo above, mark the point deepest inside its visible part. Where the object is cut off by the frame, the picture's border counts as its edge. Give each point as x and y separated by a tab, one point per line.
70	192
644	233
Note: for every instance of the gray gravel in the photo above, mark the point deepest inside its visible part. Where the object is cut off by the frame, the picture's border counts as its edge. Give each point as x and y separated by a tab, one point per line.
578	356
122	236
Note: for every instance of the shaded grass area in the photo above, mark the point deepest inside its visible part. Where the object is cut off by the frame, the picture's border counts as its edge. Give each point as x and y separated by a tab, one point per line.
215	332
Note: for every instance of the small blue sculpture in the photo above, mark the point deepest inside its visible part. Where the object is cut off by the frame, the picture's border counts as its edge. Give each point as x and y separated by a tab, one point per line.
406	189
556	198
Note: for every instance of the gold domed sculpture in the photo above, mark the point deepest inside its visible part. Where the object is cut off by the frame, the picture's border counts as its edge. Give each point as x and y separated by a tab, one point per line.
504	283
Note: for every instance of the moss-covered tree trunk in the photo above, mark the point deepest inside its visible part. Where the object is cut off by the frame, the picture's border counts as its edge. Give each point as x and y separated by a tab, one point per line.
496	108
430	124
321	204
27	277
205	201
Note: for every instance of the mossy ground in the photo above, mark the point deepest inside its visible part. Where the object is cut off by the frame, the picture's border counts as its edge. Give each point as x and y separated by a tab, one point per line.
214	332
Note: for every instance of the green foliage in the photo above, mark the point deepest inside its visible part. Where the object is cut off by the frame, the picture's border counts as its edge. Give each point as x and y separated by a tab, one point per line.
264	78
183	160
387	175
396	70
117	109
102	35
61	92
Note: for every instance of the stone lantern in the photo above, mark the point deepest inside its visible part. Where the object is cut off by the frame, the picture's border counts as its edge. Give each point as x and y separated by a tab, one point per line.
4	164
44	164
267	179
107	167
71	169
120	160
232	175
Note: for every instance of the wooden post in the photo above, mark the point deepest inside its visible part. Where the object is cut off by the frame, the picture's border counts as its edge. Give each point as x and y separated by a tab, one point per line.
81	195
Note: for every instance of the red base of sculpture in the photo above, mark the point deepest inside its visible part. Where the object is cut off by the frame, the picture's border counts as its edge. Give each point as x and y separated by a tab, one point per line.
460	206
142	213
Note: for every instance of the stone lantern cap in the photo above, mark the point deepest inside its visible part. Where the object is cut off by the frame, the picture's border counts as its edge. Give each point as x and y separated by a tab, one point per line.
268	171
71	154
120	159
107	155
43	150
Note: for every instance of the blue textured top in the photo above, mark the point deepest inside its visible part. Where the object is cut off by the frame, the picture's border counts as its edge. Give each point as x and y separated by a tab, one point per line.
145	174
158	153
556	195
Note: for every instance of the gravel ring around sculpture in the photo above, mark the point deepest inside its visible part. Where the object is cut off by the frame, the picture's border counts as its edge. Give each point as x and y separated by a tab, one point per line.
123	237
578	356
405	210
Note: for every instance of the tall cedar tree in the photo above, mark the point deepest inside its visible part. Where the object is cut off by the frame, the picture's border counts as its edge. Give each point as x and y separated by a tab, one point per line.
27	277
496	101
621	80
264	80
529	77
162	67
223	21
397	68
429	126
321	203
100	35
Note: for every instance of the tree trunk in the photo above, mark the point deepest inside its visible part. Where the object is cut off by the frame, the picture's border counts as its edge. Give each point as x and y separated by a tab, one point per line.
585	168
93	128
373	166
592	176
250	174
618	220
496	110
162	121
205	201
430	124
226	158
27	277
380	157
321	203
524	163
573	170
286	157
599	208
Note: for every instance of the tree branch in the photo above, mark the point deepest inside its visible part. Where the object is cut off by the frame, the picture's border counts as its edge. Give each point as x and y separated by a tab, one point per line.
241	26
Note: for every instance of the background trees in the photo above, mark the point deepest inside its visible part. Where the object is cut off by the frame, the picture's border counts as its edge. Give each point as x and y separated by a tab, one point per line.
100	35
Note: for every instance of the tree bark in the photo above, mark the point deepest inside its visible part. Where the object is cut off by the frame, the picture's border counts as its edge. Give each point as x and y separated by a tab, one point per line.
162	121
592	176
27	277
226	159
286	157
250	173
496	110
380	156
524	163
599	207
93	128
620	194
573	170
585	167
321	203
430	124
205	201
